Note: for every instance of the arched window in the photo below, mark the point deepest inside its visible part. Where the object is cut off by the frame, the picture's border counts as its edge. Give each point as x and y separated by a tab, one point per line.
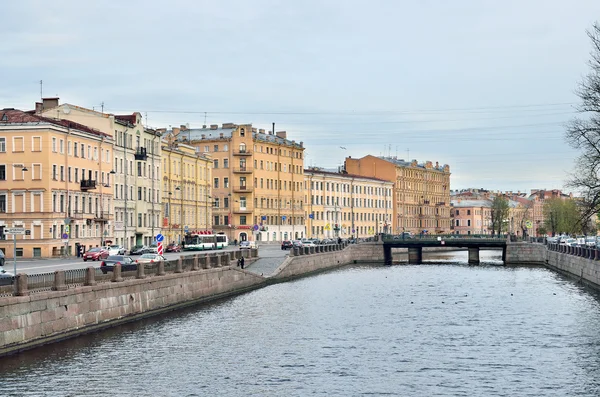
242	148
242	132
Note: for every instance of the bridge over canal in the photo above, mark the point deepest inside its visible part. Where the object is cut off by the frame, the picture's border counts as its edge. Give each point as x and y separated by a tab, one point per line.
416	244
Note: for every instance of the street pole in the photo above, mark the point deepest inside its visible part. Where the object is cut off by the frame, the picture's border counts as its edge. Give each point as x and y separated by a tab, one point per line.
15	257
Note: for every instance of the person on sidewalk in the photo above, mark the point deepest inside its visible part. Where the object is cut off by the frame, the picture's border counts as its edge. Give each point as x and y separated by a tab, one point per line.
242	262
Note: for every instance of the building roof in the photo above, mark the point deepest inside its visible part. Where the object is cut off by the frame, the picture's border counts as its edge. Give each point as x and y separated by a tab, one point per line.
470	203
345	175
402	163
207	133
15	116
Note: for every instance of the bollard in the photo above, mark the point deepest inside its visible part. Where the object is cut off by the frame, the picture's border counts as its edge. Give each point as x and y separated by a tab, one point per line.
195	265
60	283
116	276
295	251
179	266
140	271
160	269
90	276
21	280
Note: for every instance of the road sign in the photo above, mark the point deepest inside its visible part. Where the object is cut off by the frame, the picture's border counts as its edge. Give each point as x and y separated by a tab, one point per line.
28	232
283	218
255	227
67	229
65	236
65	240
185	229
14	230
160	248
159	237
528	224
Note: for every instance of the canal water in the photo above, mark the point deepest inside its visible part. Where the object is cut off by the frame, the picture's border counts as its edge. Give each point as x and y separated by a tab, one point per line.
442	328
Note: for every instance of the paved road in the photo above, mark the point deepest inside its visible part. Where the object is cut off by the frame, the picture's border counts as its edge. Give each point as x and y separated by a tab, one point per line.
50	265
270	257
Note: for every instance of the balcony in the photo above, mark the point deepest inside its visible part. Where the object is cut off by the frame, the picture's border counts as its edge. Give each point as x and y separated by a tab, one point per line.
140	153
243	189
87	184
102	216
242	170
242	152
77	215
242	210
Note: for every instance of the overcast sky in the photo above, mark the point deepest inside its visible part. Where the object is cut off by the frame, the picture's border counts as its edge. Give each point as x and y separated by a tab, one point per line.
483	86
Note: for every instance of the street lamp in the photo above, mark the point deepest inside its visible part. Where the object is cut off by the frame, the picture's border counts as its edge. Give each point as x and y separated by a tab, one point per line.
178	189
15	245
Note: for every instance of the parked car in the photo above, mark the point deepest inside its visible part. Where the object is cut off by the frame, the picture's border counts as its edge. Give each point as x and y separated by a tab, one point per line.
138	250
127	264
297	243
152	249
308	243
116	250
95	254
150	258
2	258
6	278
286	245
173	248
247	245
590	242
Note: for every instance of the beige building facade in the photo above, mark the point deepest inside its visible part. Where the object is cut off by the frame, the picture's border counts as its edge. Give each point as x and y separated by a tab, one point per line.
54	182
257	180
187	203
136	173
421	194
345	205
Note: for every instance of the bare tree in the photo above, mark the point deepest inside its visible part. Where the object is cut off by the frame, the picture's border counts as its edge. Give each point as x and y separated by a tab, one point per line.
583	133
524	214
499	214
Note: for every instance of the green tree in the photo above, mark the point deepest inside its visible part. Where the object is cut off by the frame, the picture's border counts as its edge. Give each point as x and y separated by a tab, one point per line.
562	216
499	214
583	134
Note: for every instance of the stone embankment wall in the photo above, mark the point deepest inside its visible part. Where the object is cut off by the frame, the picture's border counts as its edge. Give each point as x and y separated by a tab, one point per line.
525	253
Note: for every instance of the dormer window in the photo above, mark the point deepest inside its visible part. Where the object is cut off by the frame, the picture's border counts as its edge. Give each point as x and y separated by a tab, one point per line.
242	132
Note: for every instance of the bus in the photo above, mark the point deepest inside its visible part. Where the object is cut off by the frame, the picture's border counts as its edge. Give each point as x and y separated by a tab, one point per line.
222	240
200	242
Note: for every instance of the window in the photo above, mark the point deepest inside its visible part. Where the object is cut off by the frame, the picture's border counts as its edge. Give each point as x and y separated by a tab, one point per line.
226	220
216	163
468	222
54	145
242	148
217	203
242	132
139	168
82	151
225	182
139	193
69	150
61	146
2	202
18	144
243	203
75	152
225	163
54	172
243	220
226	203
216	221
139	219
216	183
62	172
469	213
36	144
2	172
216	148
2	145
457	213
225	148
206	149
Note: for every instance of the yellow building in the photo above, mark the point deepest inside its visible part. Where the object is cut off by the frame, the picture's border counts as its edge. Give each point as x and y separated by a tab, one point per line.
345	205
136	177
187	205
257	181
54	182
421	191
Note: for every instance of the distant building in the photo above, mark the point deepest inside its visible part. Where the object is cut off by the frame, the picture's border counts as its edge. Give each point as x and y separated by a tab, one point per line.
471	216
421	194
345	205
257	180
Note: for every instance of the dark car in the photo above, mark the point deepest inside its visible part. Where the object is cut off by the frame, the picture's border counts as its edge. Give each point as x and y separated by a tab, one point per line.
286	245
109	263
95	254
173	248
6	278
138	250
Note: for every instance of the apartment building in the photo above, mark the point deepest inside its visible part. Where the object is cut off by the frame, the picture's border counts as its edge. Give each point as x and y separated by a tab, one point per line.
257	180
135	214
421	194
471	216
187	203
55	182
345	205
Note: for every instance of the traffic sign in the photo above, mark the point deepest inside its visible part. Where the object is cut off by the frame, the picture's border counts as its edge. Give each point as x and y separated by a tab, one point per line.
255	227
65	240
283	218
14	230
159	237
185	229
65	236
160	247
528	224
67	229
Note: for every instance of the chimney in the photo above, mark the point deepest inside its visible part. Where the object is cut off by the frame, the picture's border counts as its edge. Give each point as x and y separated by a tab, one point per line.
228	125
39	107
282	134
254	130
183	127
270	132
49	103
203	126
214	126
203	136
261	131
221	135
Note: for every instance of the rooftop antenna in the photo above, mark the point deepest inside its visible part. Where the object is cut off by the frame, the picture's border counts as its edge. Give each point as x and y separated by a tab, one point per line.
102	107
41	89
204	118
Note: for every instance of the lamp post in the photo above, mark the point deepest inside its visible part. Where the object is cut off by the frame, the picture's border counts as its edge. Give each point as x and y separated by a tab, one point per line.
15	244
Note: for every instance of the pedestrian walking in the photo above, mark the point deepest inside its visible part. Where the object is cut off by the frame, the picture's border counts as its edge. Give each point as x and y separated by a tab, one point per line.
242	262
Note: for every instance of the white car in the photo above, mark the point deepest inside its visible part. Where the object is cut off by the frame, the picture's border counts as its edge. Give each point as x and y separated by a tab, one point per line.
115	250
308	243
247	244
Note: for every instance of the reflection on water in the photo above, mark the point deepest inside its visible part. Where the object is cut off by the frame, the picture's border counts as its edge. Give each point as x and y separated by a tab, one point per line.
438	329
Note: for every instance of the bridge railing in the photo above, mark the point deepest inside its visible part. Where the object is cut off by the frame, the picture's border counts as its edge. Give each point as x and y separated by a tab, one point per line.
437	237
